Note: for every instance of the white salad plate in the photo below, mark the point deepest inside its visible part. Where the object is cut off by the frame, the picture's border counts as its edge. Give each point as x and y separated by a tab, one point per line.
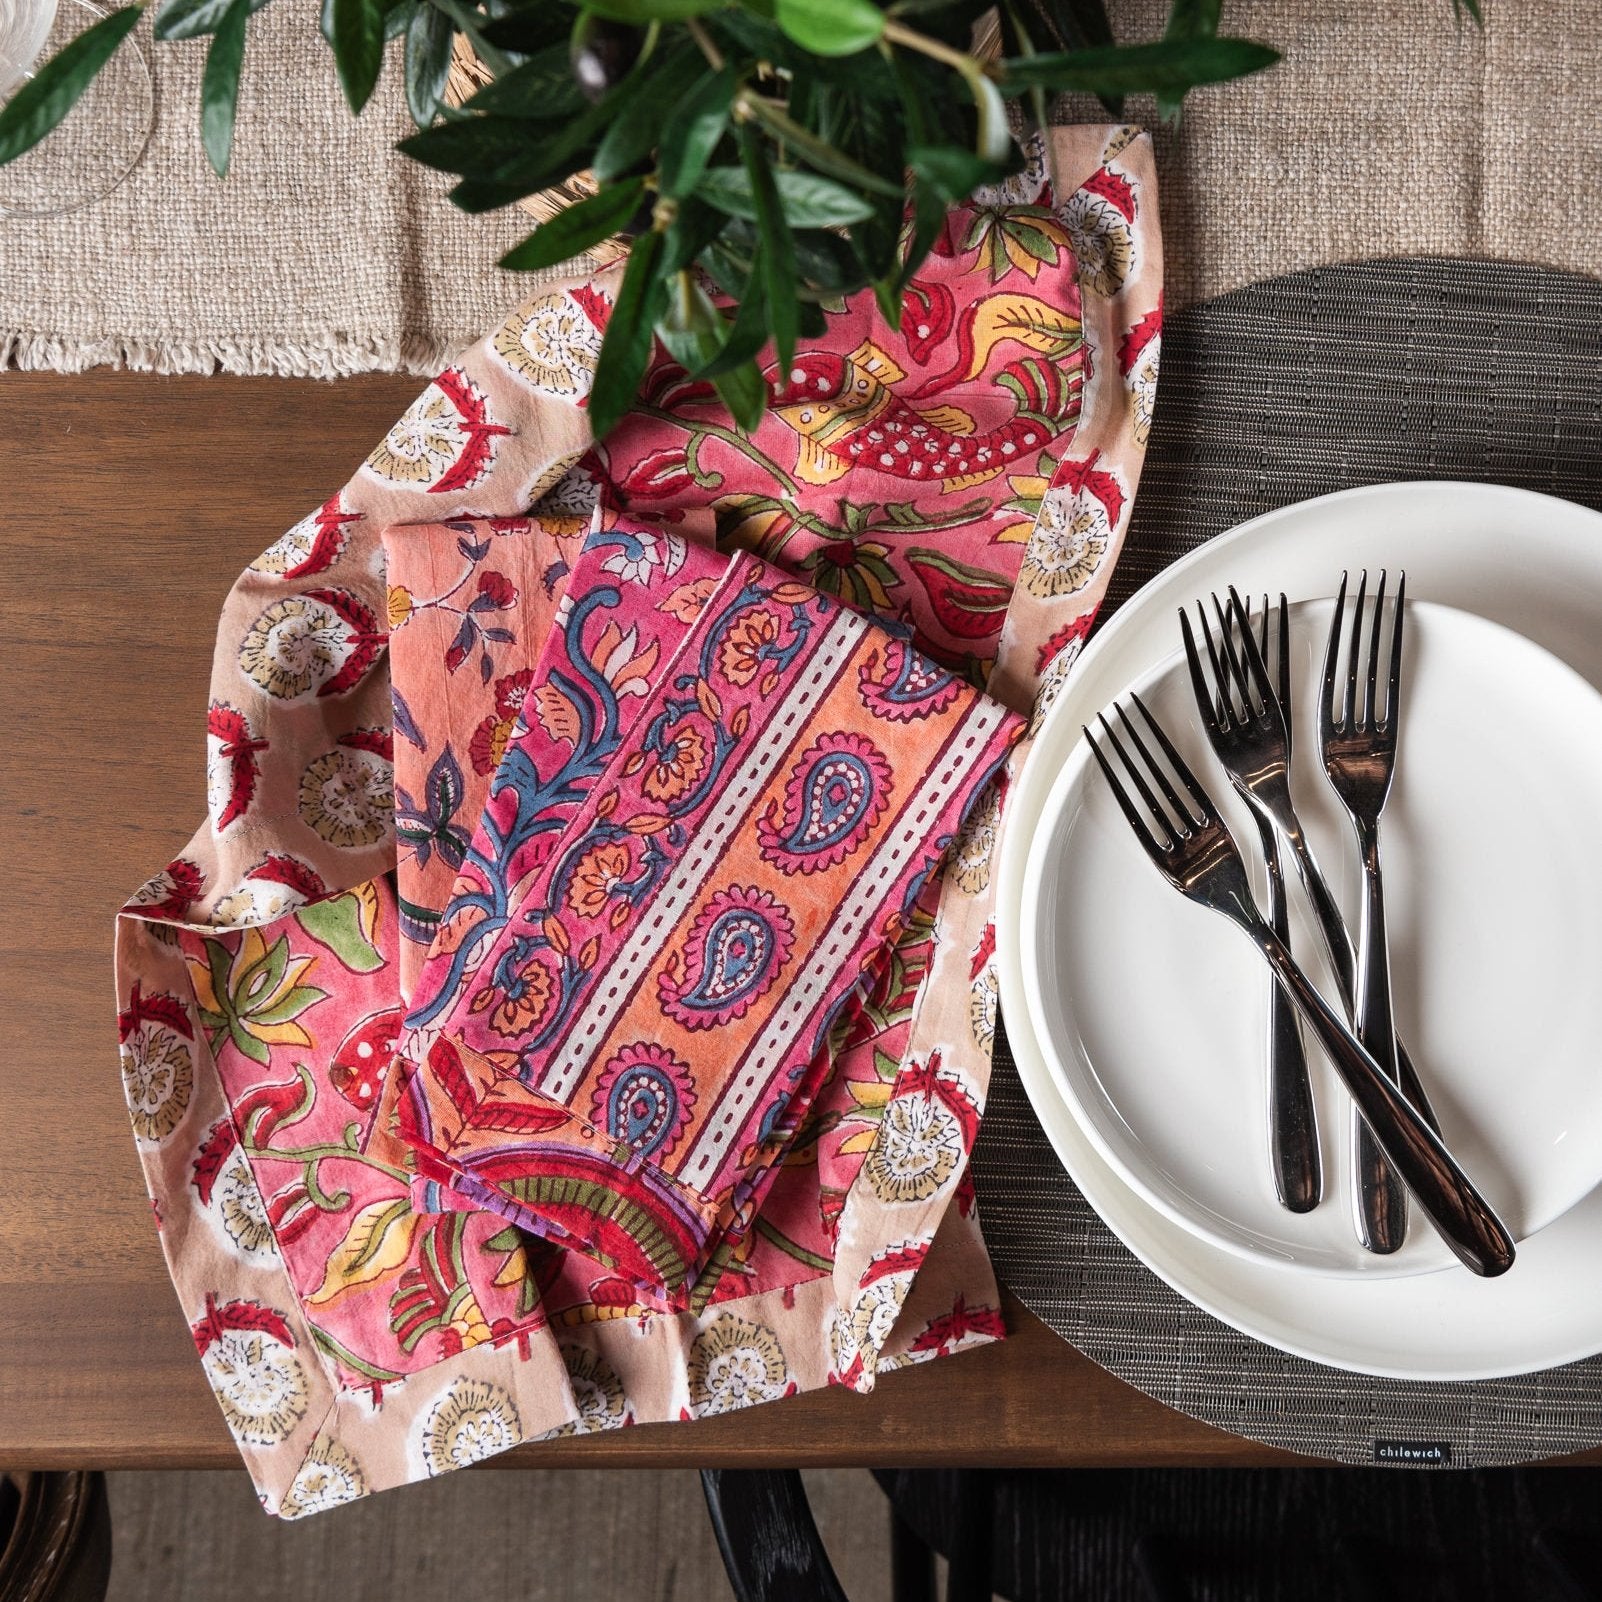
1492	933
1528	562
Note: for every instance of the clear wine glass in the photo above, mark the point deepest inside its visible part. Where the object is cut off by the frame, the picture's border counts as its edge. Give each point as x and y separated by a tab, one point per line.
96	144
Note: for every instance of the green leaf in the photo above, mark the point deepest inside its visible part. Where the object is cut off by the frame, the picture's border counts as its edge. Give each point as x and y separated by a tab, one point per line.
808	201
743	343
1165	66
831	27
638	124
693	131
1188	19
778	249
1193	19
357	28
541	89
337	923
951	172
744	393
691	232
530	29
474	144
429	37
650	10
187	19
219	86
1079	24
574	230
629	332
50	94
827	262
690	328
398	16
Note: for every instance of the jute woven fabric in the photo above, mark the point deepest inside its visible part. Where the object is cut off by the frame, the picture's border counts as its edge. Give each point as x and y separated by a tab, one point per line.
1298	387
1387	131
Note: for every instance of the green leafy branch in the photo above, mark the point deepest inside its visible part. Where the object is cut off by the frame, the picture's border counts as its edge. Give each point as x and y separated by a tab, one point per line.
785	152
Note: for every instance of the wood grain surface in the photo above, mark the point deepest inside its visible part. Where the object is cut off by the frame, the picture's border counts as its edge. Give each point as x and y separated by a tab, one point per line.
128	503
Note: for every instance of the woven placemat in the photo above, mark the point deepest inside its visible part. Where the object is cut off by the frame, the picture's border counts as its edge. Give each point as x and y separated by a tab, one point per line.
1296	387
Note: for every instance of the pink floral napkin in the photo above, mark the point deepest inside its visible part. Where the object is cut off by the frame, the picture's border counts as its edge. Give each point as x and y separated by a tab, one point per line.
964	483
620	1067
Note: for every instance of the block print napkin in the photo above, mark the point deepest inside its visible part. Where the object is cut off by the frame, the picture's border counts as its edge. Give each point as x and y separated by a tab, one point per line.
363	1325
648	1028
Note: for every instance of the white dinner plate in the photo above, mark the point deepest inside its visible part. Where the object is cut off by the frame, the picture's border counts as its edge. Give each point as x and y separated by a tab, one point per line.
1152	1012
1529	562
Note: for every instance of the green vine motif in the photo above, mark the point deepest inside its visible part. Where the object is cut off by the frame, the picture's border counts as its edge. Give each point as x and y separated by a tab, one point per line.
313	1157
728	436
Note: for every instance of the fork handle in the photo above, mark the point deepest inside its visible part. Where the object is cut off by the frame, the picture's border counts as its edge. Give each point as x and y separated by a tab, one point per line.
1292	1118
1381	1203
1447	1195
1343	960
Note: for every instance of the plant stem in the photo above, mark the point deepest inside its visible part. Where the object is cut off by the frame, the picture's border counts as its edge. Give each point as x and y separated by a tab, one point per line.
898	33
783	127
714	56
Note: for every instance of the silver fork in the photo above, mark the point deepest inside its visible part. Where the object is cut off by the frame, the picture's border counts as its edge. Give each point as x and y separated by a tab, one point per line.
1359	750
1250	732
1292	1120
1194	850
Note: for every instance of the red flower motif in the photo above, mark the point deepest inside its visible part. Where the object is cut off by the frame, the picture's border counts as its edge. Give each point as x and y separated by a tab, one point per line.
496	592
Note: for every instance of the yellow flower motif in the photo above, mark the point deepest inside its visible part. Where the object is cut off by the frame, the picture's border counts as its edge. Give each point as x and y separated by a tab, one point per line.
399	605
252	994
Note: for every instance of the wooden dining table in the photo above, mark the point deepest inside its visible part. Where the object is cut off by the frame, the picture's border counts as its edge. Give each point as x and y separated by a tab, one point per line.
128	504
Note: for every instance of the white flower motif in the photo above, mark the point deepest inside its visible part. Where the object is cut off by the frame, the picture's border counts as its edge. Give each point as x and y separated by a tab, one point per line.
735	1363
423	443
597	1392
290	549
984	1005
294	646
1104	243
970	857
471	1421
239	1207
1053	679
260	1385
1143	390
158	1076
551	345
254	903
651	551
1069	543
875	1311
329	1477
919	1149
346	796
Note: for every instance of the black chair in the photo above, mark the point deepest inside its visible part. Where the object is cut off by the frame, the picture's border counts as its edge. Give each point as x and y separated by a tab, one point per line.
55	1538
1187	1535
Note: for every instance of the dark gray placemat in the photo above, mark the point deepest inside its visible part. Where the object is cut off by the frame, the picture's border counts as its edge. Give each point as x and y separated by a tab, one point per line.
1297	387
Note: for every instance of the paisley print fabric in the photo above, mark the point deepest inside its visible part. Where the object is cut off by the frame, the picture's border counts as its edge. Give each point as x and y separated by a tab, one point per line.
836	793
415	695
722	957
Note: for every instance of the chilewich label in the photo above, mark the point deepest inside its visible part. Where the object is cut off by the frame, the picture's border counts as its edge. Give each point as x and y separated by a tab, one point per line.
1412	1452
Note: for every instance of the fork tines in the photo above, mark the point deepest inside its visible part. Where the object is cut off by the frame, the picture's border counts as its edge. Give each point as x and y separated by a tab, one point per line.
1349	717
1178	821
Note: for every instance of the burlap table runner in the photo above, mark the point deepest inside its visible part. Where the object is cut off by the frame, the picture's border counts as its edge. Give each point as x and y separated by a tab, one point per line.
1387	131
1309	384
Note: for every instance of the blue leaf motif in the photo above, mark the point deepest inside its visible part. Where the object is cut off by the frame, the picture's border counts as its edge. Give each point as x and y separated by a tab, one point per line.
446	789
